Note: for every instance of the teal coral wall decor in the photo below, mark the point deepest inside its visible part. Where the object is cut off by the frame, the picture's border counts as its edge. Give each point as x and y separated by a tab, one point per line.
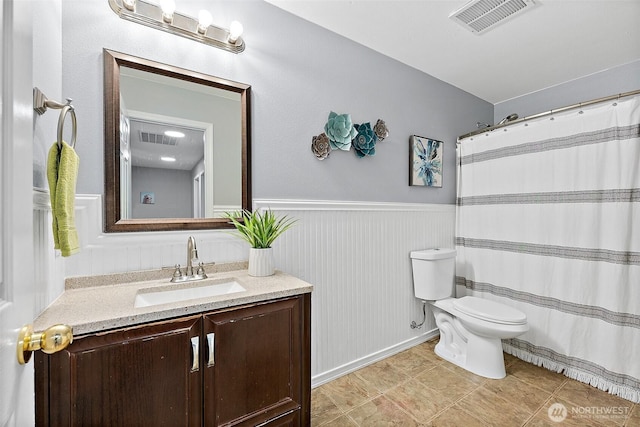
340	133
364	143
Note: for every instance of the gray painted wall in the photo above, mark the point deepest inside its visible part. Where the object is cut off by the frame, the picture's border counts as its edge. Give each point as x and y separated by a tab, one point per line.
621	79
173	191
47	76
299	72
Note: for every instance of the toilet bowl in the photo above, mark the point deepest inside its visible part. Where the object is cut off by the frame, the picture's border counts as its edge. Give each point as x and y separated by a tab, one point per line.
471	328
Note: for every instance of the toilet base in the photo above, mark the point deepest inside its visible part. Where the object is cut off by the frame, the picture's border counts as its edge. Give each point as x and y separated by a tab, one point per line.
477	354
487	360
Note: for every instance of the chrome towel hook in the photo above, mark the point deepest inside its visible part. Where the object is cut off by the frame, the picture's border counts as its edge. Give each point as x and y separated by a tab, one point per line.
40	105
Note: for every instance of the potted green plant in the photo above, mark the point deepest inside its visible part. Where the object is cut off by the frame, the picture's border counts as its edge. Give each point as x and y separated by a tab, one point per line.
260	230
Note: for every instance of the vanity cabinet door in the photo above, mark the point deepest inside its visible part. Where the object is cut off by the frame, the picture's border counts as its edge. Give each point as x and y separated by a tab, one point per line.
141	376
257	365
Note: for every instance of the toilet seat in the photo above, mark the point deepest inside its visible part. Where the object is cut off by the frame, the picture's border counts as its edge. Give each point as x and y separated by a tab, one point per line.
490	311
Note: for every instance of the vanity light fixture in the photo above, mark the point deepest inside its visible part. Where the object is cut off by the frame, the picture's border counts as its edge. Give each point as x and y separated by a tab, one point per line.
164	17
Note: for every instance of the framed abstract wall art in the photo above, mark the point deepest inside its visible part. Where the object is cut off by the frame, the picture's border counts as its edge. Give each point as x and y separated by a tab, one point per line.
425	161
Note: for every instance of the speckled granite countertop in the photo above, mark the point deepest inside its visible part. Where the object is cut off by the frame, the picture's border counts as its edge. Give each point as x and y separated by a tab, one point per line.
99	306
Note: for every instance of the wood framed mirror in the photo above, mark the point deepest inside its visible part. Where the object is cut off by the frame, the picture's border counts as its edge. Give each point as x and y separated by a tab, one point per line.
177	147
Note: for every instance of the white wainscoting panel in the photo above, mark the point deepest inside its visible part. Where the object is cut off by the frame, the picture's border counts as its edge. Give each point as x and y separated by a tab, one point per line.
356	254
49	274
357	257
107	253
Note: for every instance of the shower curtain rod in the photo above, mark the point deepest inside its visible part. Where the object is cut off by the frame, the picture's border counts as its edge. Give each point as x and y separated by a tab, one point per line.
548	113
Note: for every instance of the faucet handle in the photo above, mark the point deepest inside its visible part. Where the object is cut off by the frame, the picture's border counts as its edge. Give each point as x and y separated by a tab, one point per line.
177	272
200	270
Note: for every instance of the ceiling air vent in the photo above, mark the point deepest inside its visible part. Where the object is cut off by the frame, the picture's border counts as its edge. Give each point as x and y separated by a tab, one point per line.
479	16
156	138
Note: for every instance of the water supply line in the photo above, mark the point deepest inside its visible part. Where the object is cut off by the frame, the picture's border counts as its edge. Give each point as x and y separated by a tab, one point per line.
414	325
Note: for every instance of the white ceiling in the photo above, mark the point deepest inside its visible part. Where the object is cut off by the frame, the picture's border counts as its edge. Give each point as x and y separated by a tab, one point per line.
555	42
188	150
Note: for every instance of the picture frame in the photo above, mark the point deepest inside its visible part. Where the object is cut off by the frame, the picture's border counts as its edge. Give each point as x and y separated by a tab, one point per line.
425	161
147	198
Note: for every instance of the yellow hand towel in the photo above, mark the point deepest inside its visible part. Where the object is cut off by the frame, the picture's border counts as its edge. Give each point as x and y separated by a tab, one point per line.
62	173
52	177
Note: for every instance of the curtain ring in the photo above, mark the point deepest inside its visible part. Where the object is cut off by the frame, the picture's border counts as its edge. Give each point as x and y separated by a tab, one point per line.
74	125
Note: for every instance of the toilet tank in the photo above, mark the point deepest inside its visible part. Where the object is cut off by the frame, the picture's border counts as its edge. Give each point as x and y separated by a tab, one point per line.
433	273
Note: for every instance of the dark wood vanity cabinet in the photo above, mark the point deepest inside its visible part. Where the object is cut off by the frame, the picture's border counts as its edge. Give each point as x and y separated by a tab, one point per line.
136	376
252	368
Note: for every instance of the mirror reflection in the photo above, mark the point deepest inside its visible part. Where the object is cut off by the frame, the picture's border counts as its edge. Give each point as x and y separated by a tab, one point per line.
181	149
165	165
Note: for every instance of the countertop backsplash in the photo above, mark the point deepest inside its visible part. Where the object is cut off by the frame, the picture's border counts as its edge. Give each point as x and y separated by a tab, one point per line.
140	276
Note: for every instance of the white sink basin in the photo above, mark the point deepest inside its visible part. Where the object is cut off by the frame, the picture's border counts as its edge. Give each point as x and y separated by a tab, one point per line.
184	292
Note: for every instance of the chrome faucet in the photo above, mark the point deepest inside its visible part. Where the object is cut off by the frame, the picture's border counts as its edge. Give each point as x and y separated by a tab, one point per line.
192	257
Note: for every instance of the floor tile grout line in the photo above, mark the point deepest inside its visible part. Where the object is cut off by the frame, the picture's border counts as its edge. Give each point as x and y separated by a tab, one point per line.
432	389
343	413
413	377
351	419
406	372
403	410
473	416
507	397
636	406
537	411
565	380
455	402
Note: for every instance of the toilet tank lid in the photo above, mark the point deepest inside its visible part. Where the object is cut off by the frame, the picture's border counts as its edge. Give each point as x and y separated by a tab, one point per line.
432	254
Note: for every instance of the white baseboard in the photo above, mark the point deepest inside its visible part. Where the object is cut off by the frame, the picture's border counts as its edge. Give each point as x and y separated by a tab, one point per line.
325	377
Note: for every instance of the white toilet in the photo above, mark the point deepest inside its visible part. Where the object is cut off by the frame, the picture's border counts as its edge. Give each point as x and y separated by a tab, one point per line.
471	328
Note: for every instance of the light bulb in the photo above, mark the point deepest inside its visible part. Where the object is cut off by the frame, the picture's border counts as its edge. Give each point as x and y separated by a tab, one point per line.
174	134
168	7
204	20
129	4
235	31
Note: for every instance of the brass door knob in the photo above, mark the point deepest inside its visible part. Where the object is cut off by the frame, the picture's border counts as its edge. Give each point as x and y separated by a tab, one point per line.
53	339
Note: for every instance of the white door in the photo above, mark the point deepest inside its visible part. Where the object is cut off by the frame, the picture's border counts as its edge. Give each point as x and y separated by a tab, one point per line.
17	295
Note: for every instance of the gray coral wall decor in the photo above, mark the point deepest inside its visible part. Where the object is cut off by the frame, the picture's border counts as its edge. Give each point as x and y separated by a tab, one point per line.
340	133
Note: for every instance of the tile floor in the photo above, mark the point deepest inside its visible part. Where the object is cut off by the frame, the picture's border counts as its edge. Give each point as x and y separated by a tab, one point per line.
417	388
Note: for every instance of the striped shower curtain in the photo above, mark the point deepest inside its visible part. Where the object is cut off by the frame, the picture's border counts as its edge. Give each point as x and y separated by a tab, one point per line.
548	221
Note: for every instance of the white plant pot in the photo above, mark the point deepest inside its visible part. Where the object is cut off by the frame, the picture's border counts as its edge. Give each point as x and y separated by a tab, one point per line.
261	262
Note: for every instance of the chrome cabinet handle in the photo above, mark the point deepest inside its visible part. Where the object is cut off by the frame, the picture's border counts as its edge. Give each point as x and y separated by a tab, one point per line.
195	346
211	343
